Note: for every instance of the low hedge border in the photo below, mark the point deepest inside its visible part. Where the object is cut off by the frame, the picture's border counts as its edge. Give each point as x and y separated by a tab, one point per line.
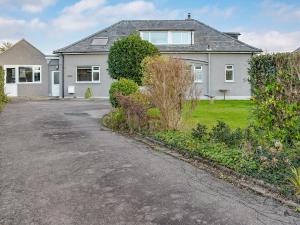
257	186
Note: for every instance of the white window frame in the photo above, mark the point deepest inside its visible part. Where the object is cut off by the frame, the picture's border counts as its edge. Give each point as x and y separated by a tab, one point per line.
169	37
93	70
17	73
161	43
195	77
226	69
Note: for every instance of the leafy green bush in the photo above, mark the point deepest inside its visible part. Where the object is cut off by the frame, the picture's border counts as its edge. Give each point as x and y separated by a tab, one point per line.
295	180
153	113
88	93
3	98
125	57
115	119
124	87
275	85
218	152
200	132
221	133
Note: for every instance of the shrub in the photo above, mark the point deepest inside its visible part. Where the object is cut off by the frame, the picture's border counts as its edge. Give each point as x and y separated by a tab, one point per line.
135	107
295	180
88	93
167	81
115	119
252	136
200	132
124	87
125	57
3	98
275	85
221	132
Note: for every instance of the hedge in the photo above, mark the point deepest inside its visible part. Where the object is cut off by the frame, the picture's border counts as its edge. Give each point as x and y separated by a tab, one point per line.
3	98
275	85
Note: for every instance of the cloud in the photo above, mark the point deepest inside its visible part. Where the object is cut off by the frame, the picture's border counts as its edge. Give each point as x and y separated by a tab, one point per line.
273	41
215	11
83	5
30	6
86	14
37	24
281	11
15	29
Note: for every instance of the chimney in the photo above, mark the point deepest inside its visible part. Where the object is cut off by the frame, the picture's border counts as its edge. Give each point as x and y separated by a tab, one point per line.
189	16
234	35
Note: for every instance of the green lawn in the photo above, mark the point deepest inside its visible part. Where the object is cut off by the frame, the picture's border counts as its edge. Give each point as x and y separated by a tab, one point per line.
236	113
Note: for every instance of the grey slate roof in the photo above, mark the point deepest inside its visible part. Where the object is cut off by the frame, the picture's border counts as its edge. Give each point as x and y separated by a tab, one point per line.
297	50
204	36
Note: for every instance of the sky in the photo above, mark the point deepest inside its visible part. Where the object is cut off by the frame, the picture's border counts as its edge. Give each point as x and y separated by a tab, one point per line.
272	25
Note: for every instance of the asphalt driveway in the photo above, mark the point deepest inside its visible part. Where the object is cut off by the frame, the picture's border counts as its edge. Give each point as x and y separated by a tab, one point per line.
58	166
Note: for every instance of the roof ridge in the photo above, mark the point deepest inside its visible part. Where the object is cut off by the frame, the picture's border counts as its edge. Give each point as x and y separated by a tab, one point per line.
74	43
160	20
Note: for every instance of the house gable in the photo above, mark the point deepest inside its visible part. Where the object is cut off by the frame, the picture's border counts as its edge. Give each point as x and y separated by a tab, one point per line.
22	53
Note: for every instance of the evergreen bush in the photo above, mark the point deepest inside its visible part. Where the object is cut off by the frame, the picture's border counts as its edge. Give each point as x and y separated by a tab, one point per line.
275	85
126	55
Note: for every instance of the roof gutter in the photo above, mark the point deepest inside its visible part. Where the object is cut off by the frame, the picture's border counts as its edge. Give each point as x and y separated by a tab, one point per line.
168	52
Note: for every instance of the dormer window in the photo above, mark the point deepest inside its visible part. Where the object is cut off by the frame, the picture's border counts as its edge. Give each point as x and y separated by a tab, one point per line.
168	37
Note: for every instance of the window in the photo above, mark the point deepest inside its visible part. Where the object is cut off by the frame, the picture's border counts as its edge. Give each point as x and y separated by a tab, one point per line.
37	73
229	73
10	75
29	74
181	37
168	37
88	74
198	72
145	36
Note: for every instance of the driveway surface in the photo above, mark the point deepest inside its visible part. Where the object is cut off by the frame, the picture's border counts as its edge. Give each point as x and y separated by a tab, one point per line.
58	166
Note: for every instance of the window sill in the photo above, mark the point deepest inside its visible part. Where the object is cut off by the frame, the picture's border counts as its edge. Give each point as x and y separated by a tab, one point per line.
229	81
88	82
29	83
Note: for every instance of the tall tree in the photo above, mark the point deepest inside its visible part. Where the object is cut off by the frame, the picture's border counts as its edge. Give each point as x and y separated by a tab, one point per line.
126	55
5	45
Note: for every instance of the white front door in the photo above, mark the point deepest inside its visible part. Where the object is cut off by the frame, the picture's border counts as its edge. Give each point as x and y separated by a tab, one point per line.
10	85
55	83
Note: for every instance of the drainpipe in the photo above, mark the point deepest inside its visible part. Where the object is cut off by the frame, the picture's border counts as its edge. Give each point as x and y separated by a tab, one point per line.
63	77
209	72
208	80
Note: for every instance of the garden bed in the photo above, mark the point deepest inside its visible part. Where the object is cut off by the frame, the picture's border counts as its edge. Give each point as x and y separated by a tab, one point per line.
236	159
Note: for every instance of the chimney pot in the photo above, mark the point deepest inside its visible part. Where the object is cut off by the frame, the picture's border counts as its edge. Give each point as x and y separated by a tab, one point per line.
189	16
